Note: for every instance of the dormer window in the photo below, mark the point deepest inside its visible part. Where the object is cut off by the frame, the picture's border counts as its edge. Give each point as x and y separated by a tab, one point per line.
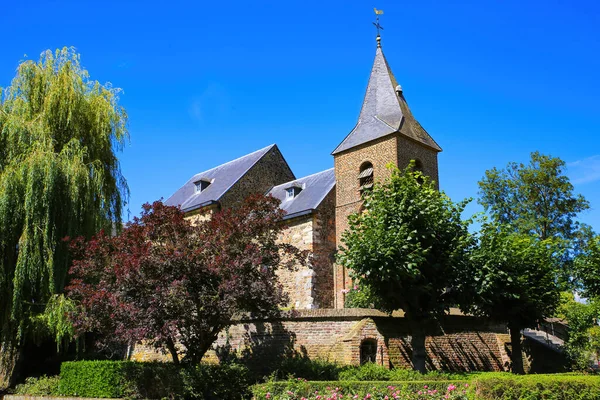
365	177
201	185
292	192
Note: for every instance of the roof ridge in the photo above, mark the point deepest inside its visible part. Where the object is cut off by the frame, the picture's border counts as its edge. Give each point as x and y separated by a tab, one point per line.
235	159
306	176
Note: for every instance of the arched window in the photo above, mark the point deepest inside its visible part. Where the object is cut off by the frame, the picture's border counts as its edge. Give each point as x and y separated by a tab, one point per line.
365	177
368	351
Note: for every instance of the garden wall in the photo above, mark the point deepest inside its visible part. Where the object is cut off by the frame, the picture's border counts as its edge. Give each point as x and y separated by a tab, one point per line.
461	343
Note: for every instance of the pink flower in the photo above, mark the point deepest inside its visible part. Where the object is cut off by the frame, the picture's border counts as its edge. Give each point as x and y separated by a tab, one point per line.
451	387
268	396
355	287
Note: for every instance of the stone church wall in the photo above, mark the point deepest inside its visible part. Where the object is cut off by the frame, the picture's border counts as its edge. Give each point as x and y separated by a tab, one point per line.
271	170
311	286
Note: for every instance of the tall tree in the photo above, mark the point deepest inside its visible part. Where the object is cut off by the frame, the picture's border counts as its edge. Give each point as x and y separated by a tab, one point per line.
59	131
409	247
587	267
536	198
513	276
165	279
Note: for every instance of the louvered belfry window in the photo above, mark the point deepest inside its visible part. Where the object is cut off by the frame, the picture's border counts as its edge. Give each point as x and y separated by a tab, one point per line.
365	177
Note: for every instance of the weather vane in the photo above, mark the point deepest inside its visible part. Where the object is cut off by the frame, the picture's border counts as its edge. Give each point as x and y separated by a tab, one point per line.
377	25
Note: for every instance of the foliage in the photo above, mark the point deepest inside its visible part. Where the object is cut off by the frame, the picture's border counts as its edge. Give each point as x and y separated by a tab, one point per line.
165	277
366	372
306	368
582	323
587	267
42	386
91	379
416	390
59	176
54	321
360	297
153	380
547	387
408	246
533	199
504	266
211	381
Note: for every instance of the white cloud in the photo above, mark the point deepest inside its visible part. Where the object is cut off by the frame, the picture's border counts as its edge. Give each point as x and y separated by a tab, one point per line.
585	171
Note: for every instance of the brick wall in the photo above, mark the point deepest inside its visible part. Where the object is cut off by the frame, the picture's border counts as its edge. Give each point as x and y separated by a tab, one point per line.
347	167
461	344
410	150
324	247
269	171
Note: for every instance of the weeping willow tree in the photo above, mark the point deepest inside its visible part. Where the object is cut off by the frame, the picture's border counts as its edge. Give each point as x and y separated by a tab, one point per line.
59	176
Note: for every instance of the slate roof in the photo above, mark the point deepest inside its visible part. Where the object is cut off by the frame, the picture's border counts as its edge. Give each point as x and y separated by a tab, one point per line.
225	176
314	189
384	111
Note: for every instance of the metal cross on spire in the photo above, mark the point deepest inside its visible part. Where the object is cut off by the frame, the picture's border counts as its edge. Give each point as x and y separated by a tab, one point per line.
377	25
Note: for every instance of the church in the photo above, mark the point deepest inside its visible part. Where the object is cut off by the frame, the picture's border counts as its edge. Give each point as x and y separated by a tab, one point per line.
317	207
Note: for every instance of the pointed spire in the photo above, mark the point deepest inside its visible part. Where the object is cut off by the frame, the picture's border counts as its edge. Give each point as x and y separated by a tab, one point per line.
384	110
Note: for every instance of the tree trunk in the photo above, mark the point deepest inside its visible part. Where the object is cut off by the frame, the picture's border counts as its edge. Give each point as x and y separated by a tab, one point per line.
516	354
173	350
418	346
9	364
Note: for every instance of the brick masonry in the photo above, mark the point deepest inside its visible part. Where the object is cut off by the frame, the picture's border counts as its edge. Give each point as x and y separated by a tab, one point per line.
393	149
461	343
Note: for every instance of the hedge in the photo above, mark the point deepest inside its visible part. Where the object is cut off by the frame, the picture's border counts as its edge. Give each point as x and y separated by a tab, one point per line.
482	386
310	390
505	386
152	380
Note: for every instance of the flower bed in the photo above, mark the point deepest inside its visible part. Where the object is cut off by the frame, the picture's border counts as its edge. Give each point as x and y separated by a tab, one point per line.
300	389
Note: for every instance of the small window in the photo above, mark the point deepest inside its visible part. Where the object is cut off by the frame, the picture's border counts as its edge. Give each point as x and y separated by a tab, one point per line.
365	177
292	192
368	351
201	185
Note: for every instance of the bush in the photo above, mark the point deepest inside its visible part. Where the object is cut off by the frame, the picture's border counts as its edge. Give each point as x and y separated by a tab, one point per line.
153	380
92	378
299	388
504	386
304	367
42	386
366	372
212	381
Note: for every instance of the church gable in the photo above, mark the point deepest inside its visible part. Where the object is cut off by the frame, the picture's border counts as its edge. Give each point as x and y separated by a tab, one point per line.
228	183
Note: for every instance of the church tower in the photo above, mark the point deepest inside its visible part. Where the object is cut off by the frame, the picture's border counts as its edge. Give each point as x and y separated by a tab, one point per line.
386	132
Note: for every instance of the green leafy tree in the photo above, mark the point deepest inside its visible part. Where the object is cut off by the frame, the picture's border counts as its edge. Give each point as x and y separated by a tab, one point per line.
535	199
408	247
587	267
513	277
582	320
59	176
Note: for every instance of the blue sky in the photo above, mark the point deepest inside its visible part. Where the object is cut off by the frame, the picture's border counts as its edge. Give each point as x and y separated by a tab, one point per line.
206	82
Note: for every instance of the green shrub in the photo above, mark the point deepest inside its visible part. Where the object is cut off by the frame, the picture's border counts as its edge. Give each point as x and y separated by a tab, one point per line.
153	380
212	381
366	372
299	388
92	378
532	387
304	367
42	386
